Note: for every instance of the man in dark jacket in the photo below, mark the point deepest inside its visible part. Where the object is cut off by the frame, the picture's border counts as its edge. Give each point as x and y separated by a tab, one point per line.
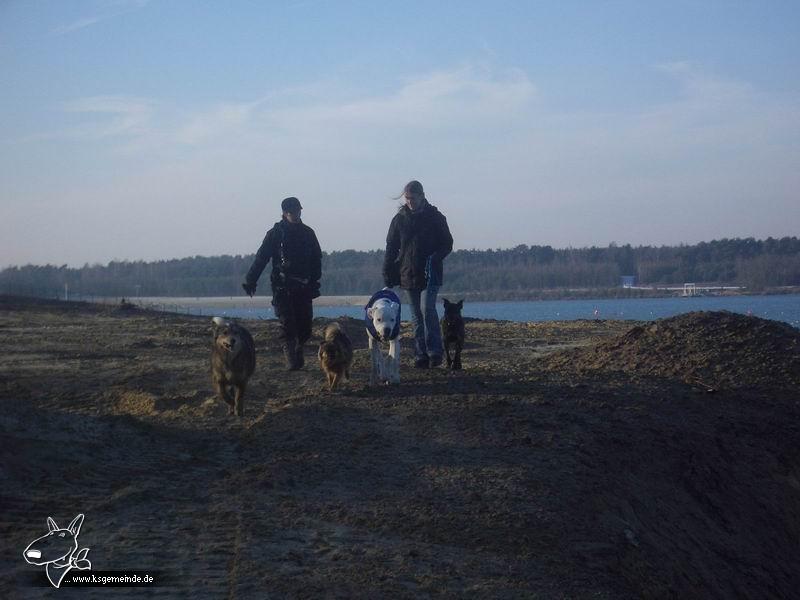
296	270
417	243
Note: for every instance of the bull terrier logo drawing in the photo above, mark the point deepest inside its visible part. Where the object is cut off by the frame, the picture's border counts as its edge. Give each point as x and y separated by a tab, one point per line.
58	551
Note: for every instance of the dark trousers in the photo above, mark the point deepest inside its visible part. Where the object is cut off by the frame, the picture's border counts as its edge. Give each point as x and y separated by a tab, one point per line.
295	312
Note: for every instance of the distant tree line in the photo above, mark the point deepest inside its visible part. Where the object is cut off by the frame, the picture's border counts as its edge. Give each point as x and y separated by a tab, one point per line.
523	271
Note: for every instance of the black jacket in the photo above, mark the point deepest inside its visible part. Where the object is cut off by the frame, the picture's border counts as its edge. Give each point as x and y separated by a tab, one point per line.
415	248
296	258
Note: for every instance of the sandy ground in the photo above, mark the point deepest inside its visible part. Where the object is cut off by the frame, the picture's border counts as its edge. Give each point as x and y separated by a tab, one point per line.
540	471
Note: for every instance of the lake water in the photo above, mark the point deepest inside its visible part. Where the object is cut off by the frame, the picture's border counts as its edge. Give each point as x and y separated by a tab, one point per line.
780	308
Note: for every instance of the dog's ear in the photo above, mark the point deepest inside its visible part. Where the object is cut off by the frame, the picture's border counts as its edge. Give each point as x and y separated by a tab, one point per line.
394	305
75	526
460	304
446	302
370	312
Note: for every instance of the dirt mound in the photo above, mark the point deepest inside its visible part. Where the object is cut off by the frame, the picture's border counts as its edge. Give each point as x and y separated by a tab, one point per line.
10	302
125	307
718	349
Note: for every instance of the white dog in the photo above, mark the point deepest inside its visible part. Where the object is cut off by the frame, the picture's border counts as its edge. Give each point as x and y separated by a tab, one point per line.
383	325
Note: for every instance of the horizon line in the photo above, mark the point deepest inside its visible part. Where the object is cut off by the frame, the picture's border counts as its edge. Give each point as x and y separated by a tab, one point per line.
611	244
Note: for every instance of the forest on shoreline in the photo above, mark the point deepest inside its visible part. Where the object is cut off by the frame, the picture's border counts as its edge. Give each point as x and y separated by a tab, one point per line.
523	272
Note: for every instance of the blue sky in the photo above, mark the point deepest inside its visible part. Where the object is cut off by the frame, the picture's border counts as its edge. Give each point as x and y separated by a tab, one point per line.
136	129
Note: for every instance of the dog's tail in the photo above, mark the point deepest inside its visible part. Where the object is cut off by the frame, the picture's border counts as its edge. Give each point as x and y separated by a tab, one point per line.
331	331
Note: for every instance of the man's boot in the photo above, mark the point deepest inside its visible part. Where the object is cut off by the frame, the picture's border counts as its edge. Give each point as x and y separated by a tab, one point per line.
290	352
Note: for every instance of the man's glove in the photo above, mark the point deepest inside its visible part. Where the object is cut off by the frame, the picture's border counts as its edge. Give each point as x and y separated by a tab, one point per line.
249	288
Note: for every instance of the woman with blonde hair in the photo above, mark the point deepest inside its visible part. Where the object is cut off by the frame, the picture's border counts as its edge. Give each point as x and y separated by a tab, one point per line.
416	245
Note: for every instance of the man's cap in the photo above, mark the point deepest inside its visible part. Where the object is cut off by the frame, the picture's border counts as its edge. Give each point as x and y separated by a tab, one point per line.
291	204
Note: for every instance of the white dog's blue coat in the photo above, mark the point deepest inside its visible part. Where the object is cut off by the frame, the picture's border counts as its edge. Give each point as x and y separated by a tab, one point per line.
392	297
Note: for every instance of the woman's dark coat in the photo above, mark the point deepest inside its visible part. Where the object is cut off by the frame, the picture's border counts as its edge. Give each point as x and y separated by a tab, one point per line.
415	248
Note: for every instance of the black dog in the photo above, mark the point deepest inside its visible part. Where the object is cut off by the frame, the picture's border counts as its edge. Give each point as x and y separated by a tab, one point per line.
453	332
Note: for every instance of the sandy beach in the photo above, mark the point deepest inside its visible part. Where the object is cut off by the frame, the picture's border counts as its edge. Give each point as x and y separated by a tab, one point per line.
580	459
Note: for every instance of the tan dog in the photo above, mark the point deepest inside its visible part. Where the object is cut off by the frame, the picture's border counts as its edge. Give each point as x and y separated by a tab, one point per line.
335	354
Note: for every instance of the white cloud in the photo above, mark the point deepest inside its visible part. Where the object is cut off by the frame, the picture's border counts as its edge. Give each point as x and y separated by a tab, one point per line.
118	116
109	10
432	101
462	99
227	118
76	25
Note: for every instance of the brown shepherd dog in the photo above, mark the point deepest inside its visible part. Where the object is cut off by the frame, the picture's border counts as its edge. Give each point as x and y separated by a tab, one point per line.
335	354
453	332
233	360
